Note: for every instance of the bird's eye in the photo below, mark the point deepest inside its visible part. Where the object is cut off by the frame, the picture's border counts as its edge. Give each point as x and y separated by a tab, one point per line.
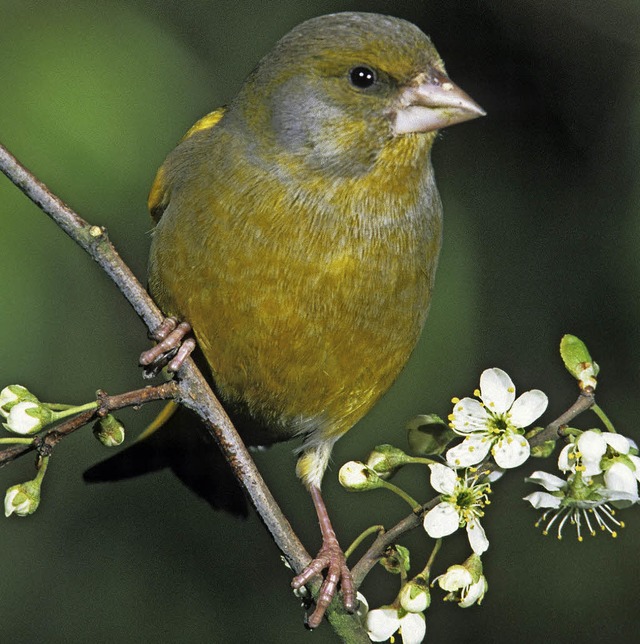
362	77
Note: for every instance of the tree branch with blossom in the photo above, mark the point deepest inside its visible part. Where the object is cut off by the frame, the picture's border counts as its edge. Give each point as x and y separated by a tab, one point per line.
601	468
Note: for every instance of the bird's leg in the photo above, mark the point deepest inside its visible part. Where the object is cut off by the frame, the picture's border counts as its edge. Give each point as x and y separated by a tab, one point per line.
332	558
175	344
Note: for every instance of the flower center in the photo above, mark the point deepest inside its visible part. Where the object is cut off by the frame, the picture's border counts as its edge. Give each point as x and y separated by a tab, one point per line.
499	424
469	498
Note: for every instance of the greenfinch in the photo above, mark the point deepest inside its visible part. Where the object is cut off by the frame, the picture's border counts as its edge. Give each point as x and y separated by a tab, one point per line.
297	233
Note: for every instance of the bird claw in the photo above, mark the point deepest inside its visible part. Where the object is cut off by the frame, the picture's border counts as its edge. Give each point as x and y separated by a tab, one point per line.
173	348
333	560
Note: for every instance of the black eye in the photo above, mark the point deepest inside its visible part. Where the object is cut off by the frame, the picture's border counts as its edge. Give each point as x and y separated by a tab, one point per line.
362	77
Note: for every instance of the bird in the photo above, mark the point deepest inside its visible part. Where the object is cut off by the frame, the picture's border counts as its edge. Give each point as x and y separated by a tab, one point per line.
296	239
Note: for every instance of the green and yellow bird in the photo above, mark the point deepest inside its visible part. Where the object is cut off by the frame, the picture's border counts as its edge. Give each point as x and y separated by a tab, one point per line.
298	232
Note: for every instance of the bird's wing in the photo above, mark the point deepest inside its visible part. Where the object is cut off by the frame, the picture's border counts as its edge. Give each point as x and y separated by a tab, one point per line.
160	193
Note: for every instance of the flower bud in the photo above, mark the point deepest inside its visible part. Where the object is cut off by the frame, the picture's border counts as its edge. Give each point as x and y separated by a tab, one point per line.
414	596
22	499
109	431
386	460
578	362
12	395
356	477
28	417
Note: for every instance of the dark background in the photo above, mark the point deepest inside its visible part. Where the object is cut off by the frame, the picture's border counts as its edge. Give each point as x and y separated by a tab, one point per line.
541	235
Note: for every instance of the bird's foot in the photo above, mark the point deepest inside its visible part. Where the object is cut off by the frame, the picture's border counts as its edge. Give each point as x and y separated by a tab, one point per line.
332	559
175	344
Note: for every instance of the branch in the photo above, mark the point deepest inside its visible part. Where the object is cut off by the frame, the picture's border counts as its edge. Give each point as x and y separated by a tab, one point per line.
46	441
192	389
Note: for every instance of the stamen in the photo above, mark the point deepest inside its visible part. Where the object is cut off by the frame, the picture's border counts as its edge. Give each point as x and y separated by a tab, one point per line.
564	520
553	519
586	518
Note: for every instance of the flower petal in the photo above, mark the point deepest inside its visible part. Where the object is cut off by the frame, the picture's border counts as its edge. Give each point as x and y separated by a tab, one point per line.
548	481
543	500
443	479
497	390
477	537
592	448
566	458
528	407
456	578
636	461
382	623
621	478
412	628
475	593
441	520
511	450
468	416
471	451
619	442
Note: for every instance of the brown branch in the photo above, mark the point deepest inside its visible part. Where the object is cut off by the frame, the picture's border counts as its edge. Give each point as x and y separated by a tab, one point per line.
553	431
46	441
193	390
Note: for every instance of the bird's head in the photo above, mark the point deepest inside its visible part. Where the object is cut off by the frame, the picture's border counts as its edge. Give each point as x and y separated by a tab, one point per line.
339	89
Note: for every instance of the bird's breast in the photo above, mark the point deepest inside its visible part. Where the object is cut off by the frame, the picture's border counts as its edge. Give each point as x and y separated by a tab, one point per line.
306	300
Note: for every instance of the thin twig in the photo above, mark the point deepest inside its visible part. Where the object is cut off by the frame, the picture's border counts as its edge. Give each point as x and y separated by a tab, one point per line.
193	390
49	439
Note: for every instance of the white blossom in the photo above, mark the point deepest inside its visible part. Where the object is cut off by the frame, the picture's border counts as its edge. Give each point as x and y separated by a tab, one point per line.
494	423
577	500
462	505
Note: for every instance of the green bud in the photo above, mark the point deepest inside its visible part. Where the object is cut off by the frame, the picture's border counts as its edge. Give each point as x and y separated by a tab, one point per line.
578	362
428	434
396	559
22	499
386	460
358	477
12	395
109	431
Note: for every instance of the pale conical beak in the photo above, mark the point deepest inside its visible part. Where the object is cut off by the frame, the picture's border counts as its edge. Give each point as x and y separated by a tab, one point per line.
432	102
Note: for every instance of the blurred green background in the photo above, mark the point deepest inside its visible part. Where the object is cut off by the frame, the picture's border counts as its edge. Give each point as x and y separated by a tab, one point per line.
541	238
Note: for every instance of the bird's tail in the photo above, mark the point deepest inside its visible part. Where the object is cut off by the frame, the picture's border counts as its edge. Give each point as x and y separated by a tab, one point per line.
177	440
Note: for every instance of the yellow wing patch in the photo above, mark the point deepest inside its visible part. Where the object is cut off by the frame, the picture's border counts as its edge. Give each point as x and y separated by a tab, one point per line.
205	123
159	194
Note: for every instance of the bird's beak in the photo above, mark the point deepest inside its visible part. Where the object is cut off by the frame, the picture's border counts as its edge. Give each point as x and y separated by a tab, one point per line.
430	102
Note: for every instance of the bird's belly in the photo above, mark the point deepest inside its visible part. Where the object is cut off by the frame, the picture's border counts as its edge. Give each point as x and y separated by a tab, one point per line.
309	347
